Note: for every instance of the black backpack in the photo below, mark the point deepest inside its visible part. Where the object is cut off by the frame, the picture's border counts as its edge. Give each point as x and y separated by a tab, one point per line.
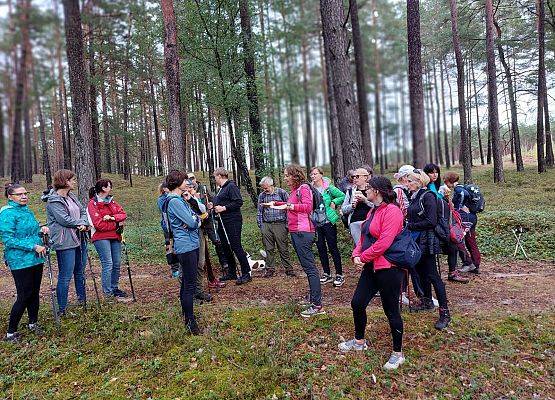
442	229
318	215
476	201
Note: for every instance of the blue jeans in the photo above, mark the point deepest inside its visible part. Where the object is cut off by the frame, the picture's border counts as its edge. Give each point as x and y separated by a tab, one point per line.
302	243
109	252
71	262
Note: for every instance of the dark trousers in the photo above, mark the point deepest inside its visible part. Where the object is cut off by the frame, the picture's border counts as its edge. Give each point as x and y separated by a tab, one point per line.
327	233
429	276
231	243
27	284
388	283
189	264
302	243
453	252
472	246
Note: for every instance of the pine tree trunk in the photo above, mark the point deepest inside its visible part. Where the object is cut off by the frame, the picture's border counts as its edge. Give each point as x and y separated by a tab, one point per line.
66	131
2	141
93	102
540	133
451	118
438	117
465	145
416	94
469	113
335	39
107	148
432	138
57	124
403	120
82	130
44	144
549	161
493	116
445	138
362	100
308	154
477	114
257	147
176	150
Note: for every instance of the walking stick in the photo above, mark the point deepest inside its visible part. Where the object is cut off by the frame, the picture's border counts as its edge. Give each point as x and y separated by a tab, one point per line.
53	296
126	254
84	237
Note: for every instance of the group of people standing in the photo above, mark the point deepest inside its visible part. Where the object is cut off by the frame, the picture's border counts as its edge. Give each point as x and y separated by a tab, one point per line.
68	229
373	210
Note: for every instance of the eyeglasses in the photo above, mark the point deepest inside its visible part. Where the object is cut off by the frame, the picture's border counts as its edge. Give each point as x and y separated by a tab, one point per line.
417	171
20	194
358	176
191	177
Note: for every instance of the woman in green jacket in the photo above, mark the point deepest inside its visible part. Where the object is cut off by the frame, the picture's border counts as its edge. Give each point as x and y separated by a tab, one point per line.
24	255
327	232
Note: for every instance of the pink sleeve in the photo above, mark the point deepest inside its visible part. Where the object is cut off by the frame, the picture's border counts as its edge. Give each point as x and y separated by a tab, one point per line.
305	204
392	225
358	248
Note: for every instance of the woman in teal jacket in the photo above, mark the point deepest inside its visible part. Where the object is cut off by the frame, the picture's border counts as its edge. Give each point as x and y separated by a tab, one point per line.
327	232
24	255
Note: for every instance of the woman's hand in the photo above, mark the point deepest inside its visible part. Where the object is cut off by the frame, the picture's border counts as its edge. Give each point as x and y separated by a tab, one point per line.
357	262
108	218
44	230
41	250
219	209
81	228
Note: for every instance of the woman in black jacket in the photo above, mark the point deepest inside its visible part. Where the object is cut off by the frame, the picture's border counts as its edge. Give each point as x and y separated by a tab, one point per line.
422	220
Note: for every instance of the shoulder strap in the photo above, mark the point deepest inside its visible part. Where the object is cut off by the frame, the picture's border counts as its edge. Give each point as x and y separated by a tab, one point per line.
165	208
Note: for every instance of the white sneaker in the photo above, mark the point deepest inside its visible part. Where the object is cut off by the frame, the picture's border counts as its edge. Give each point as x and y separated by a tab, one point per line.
312	311
436	303
405	299
326	279
394	361
352	345
339	280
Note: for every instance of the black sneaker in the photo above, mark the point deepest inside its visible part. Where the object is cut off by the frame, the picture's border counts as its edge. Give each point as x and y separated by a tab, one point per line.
424	305
444	319
11	338
290	274
243	279
193	327
203	296
228	278
119	293
36	329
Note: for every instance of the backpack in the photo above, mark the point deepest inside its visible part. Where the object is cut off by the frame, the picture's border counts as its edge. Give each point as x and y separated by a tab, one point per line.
476	202
318	215
442	228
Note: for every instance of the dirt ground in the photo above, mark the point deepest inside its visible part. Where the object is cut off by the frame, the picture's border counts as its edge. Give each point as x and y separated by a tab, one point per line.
511	287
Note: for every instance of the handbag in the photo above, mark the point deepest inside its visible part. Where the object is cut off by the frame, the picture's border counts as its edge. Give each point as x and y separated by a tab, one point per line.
456	228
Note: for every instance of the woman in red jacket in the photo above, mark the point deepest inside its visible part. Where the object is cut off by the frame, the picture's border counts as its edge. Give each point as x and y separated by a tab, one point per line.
383	223
107	218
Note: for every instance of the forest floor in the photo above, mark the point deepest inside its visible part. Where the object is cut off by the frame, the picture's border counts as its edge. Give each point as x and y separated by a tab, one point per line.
255	345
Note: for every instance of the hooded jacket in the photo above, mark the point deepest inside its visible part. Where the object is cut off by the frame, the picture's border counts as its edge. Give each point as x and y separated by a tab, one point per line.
20	235
63	227
97	210
331	194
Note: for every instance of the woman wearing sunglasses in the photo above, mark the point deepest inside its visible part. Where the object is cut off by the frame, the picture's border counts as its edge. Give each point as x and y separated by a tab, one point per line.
356	205
24	255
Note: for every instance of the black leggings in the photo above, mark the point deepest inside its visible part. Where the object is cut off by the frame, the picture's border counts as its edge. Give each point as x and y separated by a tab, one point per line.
189	265
27	284
427	270
327	233
388	283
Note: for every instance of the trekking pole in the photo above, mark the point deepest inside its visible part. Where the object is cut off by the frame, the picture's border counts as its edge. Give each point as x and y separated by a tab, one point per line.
84	237
53	296
126	254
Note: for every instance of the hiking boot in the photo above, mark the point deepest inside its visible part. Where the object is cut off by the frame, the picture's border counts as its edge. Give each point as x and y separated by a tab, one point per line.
424	305
216	284
444	319
36	329
193	327
290	274
339	280
313	311
12	337
455	276
326	278
243	279
203	297
467	268
268	273
395	360
119	293
352	345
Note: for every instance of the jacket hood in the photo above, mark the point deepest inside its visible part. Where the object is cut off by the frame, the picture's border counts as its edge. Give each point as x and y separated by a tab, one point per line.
53	196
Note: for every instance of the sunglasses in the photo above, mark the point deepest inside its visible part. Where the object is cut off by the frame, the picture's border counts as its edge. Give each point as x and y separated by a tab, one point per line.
417	171
358	176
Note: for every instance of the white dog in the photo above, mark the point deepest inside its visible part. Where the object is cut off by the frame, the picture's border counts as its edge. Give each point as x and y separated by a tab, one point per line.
256	265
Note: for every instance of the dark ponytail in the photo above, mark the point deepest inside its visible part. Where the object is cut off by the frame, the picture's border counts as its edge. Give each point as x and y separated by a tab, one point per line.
384	187
98	186
9	188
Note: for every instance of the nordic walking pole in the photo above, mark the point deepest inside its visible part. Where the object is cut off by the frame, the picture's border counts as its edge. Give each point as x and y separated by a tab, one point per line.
53	297
85	238
128	267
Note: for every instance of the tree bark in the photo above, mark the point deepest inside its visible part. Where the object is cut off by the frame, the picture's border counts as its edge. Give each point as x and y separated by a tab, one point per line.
176	149
107	148
445	138
377	93
361	85
542	89
78	79
493	111
308	154
2	141
44	144
93	98
257	148
438	117
465	145
477	114
549	159
336	40
416	94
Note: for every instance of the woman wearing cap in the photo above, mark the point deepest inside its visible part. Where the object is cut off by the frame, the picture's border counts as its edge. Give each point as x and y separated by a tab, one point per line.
356	205
421	221
24	256
401	188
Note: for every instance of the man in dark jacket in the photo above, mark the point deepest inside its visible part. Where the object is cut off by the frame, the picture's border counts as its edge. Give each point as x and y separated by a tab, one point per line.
227	204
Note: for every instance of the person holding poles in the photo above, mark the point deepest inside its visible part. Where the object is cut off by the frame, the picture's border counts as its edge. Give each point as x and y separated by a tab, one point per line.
24	256
67	220
227	204
107	219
